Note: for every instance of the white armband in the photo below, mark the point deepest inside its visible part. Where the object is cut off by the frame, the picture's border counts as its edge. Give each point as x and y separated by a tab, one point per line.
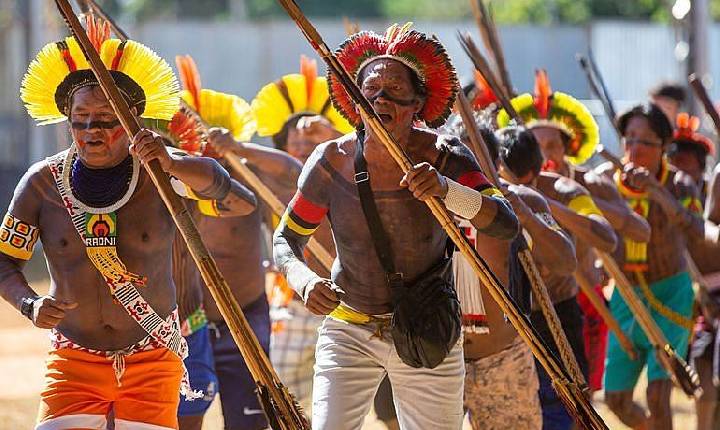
461	200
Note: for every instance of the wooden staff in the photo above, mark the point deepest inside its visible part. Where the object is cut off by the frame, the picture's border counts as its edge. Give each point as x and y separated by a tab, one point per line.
479	147
702	94
680	373
280	407
262	190
592	74
491	40
602	310
569	393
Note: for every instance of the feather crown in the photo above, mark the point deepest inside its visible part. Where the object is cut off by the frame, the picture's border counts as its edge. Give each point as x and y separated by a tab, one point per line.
424	55
295	93
686	131
547	108
60	69
216	109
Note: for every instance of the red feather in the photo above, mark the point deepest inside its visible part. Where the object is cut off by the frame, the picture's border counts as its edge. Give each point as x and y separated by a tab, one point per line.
97	29
484	95
187	132
687	126
542	93
190	78
308	68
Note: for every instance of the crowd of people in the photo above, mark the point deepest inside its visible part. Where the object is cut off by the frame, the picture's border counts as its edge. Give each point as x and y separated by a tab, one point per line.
400	320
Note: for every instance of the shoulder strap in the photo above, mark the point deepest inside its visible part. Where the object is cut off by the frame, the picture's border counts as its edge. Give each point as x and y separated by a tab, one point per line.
380	239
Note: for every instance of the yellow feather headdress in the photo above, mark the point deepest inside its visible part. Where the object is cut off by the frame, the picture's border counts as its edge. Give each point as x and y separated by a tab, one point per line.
295	93
215	108
60	69
548	108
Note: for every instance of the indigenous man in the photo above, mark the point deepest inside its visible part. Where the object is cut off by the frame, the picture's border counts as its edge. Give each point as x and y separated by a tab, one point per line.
688	153
237	246
107	237
501	383
668	199
406	75
297	113
568	135
576	213
669	97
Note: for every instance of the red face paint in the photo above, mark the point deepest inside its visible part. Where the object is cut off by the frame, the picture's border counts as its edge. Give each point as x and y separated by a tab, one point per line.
117	134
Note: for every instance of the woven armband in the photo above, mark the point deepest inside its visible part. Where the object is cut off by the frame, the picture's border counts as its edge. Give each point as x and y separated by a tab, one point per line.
17	238
461	200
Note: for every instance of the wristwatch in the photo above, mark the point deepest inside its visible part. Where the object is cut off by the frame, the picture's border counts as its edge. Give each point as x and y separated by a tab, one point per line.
26	308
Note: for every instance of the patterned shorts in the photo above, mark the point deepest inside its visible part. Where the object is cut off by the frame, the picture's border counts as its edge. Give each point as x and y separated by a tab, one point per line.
501	390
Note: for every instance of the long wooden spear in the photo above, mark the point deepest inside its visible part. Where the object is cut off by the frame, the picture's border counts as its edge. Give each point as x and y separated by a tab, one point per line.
282	411
701	93
491	40
570	393
479	148
262	190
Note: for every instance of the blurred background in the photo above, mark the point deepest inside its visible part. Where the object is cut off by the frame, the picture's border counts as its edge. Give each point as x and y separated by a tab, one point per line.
240	45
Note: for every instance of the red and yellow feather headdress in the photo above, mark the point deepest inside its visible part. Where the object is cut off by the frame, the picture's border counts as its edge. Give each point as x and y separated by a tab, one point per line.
295	93
215	108
686	131
548	108
60	69
425	56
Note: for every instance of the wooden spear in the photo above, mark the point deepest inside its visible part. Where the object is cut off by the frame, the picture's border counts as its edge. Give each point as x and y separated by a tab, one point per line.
479	148
280	407
569	393
701	93
491	40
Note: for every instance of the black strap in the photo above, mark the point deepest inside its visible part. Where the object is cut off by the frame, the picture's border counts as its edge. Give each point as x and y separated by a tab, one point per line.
380	239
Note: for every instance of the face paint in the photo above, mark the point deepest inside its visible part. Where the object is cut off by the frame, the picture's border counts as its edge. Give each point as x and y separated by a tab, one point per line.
117	134
102	125
388	97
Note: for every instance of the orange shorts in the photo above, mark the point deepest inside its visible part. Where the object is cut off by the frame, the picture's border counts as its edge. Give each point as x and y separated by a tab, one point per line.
81	389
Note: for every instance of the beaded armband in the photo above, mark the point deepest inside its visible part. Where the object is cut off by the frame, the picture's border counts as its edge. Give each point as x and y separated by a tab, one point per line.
17	238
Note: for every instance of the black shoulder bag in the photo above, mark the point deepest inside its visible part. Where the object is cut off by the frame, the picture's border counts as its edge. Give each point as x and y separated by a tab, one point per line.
426	321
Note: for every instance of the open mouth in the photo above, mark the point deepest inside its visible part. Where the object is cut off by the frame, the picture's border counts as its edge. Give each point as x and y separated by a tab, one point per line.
94	143
385	117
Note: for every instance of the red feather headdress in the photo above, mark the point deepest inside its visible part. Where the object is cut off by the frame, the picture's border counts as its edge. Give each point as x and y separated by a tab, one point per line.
425	56
484	95
687	126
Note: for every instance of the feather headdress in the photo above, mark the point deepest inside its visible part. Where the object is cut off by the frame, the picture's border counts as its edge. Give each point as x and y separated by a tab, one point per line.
60	69
425	56
547	108
686	131
215	108
292	94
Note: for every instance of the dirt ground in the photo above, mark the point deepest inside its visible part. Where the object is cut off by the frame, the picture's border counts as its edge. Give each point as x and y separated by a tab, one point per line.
22	355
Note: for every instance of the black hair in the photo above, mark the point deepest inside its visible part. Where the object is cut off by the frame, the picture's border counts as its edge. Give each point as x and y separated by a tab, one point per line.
520	150
280	138
657	119
683	145
491	142
670	90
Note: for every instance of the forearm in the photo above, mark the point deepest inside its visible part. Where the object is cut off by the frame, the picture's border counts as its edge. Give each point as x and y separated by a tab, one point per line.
13	285
551	247
624	220
586	229
692	225
271	162
288	255
496	219
204	176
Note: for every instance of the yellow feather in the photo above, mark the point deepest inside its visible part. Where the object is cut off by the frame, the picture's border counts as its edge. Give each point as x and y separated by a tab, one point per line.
270	110
227	111
297	91
44	74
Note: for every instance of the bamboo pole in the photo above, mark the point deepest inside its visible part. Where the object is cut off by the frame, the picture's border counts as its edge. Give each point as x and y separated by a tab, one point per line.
605	314
281	409
569	393
479	147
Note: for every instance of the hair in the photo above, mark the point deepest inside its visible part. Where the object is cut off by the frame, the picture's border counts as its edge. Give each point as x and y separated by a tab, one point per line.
280	138
657	119
684	145
417	84
670	90
491	142
520	150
